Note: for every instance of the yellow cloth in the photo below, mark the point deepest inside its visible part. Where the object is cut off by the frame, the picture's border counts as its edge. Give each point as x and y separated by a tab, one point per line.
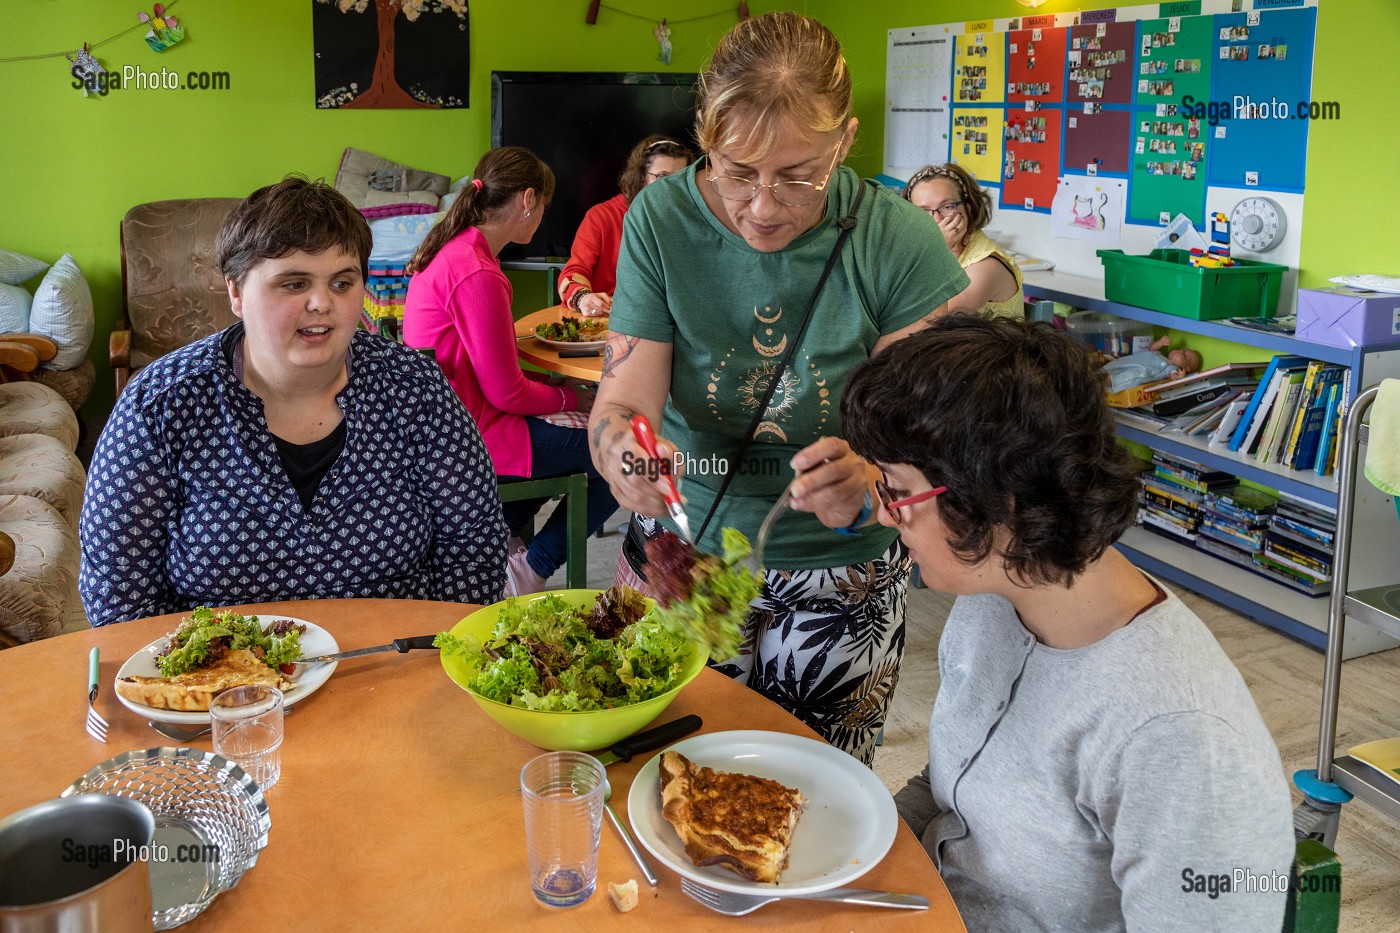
979	247
1383	446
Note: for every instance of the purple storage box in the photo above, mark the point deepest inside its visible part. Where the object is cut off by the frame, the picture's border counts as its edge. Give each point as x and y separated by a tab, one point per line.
1348	317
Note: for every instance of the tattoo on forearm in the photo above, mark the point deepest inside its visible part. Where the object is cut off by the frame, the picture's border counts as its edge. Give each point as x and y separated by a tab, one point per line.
626	414
598	430
619	348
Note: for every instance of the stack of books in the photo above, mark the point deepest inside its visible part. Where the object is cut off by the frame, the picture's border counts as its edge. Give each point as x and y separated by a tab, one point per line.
1194	404
1233	523
1291	420
1299	547
1286	540
1173	494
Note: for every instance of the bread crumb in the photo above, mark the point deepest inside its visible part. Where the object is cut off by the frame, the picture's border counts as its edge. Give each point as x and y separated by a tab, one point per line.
624	896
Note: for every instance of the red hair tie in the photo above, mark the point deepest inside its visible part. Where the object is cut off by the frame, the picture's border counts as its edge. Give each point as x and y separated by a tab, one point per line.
476	183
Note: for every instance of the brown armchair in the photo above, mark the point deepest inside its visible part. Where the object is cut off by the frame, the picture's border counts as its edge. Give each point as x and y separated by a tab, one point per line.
172	293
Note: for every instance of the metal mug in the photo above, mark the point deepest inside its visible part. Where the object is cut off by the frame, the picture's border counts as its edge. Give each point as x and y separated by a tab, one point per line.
76	864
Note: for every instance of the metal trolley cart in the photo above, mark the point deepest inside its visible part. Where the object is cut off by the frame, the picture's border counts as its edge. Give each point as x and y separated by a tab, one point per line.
1337	780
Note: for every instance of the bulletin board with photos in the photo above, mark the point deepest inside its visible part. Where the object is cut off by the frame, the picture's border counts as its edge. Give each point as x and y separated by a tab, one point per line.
1157	95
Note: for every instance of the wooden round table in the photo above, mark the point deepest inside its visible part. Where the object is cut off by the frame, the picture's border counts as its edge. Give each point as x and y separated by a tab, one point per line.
547	357
399	806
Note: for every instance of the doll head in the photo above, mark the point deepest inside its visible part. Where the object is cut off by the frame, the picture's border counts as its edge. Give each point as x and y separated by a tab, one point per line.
1188	361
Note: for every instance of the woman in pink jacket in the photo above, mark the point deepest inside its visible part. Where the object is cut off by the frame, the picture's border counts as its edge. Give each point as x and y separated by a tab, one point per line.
459	304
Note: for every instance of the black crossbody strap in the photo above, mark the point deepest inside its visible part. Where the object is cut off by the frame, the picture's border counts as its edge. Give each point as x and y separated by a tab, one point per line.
846	225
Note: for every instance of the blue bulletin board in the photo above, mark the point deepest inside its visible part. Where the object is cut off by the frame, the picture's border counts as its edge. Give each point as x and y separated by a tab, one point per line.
1267	65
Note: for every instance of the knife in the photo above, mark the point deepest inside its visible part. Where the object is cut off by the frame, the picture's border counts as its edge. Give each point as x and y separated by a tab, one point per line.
401	645
652	738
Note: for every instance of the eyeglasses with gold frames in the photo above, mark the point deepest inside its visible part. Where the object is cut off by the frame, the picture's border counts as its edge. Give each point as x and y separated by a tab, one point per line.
791	193
893	505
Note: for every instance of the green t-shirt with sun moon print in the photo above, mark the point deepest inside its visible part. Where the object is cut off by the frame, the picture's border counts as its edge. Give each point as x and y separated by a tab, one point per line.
729	311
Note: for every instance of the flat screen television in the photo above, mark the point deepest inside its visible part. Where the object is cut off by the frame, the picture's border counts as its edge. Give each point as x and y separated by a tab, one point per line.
583	124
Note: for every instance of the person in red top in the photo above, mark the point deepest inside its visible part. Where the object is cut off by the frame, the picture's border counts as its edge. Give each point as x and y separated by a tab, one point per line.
586	284
459	304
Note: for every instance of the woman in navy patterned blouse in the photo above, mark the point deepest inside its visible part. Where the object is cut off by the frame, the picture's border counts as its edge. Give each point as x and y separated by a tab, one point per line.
290	456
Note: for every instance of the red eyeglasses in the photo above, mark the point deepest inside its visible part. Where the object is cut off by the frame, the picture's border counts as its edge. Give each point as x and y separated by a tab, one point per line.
893	505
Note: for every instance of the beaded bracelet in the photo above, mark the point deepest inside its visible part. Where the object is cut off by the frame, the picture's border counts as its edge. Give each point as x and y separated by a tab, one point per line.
577	297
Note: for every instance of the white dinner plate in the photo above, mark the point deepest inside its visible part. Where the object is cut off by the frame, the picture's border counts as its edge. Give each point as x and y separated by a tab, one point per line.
314	641
847	826
572	344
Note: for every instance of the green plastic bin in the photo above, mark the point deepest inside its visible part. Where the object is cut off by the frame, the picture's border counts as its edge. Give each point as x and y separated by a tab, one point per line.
1164	280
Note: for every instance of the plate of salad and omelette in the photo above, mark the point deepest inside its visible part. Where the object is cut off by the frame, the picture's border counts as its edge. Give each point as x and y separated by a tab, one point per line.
306	679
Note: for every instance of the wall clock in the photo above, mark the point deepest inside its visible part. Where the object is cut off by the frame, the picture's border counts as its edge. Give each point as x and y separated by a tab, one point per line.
1257	224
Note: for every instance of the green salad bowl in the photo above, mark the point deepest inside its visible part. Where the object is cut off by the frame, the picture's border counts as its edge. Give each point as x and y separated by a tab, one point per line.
563	731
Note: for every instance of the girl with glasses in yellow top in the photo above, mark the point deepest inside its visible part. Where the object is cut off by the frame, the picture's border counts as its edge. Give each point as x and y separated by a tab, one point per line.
952	197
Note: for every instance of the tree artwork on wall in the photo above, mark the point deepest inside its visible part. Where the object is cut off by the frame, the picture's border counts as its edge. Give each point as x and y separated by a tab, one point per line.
391	54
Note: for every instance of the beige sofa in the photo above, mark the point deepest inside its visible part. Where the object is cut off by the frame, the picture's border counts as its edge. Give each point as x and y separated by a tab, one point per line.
41	499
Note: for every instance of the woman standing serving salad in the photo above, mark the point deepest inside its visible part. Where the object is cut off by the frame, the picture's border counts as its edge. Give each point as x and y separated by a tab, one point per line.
719	269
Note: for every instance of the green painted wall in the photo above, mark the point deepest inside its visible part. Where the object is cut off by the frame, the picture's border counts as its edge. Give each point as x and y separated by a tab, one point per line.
73	166
1353	186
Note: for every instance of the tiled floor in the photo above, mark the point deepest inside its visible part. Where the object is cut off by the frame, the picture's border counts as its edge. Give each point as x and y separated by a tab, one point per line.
1285	678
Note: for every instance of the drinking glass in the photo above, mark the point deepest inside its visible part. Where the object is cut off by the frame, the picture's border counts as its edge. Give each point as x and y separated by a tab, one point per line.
247	724
563	794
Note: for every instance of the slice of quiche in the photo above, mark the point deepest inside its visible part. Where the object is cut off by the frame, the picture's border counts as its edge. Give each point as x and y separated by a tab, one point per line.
742	822
192	691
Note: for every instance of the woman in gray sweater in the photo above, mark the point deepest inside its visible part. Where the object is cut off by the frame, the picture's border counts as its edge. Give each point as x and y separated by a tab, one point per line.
1096	762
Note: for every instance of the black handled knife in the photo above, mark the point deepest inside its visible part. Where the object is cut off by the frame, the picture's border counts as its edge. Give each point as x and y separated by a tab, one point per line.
652	738
401	645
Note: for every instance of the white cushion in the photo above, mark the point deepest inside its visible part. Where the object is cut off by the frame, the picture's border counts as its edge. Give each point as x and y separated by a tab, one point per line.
17	267
14	309
62	311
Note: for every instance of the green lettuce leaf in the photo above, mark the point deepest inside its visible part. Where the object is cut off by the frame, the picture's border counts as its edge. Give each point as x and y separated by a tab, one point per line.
718	605
189	646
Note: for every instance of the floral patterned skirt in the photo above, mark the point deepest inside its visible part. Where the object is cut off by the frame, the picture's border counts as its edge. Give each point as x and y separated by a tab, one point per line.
823	644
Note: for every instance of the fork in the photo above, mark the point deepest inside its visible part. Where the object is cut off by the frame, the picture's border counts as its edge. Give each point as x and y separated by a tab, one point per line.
737	905
766	528
771	519
96	725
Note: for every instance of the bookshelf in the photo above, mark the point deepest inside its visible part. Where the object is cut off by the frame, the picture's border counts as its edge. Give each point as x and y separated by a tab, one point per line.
1375	531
